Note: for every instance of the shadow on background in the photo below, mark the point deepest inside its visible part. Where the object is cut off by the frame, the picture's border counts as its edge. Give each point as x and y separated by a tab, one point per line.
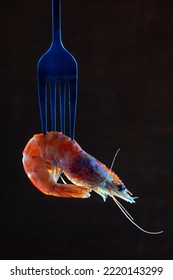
125	58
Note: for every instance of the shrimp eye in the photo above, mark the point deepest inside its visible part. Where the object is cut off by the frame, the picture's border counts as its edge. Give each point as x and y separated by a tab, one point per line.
121	187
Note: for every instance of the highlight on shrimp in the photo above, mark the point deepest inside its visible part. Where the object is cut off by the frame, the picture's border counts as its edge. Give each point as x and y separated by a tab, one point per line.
47	157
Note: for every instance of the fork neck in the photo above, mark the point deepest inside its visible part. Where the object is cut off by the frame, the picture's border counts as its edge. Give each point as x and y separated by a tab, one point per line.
56	22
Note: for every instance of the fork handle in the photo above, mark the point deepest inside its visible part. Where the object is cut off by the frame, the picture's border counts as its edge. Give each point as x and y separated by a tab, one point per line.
56	21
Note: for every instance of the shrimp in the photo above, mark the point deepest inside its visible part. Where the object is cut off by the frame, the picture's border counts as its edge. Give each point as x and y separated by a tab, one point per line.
47	157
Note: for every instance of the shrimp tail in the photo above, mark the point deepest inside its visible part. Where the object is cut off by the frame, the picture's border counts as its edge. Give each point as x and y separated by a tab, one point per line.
44	174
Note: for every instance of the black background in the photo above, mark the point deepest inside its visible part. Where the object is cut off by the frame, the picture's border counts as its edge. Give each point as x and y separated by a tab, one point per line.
124	51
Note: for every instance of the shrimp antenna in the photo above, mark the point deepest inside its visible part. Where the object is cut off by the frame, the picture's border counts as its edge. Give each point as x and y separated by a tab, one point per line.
130	218
113	161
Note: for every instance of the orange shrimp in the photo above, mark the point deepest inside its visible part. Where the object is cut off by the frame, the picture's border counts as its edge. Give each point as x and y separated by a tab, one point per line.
47	157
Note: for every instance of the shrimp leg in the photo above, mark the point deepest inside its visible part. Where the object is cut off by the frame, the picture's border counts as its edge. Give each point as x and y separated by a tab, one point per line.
57	189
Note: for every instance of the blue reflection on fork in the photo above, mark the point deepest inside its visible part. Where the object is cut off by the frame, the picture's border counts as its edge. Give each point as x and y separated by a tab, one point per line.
57	68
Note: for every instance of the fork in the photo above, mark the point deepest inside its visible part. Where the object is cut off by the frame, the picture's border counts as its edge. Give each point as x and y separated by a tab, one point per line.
57	69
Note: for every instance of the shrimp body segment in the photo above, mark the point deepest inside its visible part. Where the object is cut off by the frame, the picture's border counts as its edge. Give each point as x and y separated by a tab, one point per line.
47	157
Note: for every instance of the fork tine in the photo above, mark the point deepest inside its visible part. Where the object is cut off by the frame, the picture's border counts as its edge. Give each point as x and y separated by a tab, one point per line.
42	96
62	101
72	105
53	105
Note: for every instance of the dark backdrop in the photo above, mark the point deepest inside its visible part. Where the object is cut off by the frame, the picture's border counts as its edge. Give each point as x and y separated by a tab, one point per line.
124	51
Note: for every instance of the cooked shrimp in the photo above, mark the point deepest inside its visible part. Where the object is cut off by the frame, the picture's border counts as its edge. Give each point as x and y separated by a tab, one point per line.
47	157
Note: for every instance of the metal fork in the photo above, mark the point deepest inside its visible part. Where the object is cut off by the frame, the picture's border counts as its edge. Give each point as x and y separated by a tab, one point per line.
57	68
